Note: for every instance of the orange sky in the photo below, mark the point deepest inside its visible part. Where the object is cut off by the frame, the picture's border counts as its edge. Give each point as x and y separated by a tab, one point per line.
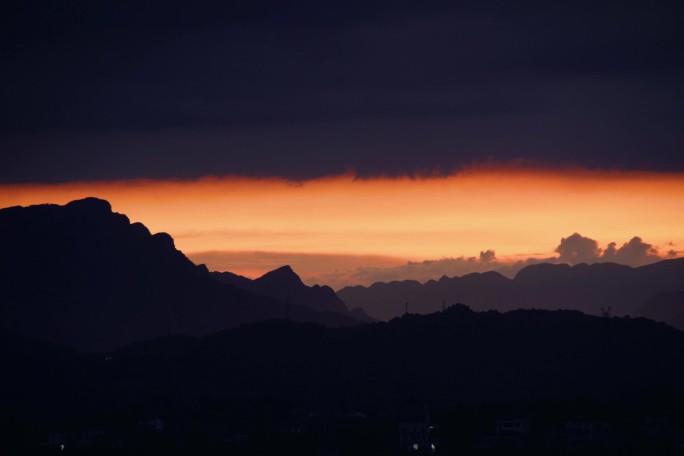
513	211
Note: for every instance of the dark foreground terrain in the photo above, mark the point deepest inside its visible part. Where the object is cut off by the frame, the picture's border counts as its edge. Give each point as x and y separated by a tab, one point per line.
521	382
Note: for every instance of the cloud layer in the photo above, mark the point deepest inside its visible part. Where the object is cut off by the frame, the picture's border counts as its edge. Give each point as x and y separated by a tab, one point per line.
572	250
579	249
309	88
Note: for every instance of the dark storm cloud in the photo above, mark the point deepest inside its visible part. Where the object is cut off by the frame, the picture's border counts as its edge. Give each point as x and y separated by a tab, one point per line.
97	90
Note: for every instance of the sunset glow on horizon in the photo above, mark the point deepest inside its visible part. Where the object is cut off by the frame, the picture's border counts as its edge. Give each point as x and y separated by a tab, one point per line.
516	212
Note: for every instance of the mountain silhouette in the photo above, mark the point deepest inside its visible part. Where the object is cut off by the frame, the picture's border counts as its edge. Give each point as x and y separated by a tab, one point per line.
286	286
84	276
448	357
666	307
588	288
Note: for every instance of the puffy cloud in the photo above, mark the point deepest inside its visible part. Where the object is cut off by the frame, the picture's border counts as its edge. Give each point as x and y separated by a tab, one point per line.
487	255
671	253
610	253
578	249
634	253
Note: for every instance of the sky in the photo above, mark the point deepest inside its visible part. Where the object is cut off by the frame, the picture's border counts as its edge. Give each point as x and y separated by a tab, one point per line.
356	141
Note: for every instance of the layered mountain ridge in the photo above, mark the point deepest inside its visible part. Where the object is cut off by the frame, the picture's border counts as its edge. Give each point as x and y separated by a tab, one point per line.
285	285
448	357
84	276
592	289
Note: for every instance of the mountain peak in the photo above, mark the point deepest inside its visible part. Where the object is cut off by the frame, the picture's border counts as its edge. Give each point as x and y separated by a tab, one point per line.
283	274
83	276
285	285
91	204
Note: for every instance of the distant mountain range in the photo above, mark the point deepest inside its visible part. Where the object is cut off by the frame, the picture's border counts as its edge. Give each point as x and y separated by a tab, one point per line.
285	285
84	276
667	307
655	291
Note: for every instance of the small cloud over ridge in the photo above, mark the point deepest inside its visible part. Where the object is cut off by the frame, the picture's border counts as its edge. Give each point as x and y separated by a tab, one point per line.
574	249
579	249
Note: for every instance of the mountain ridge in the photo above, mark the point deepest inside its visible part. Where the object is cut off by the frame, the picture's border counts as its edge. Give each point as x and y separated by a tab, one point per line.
286	286
588	288
456	355
84	276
